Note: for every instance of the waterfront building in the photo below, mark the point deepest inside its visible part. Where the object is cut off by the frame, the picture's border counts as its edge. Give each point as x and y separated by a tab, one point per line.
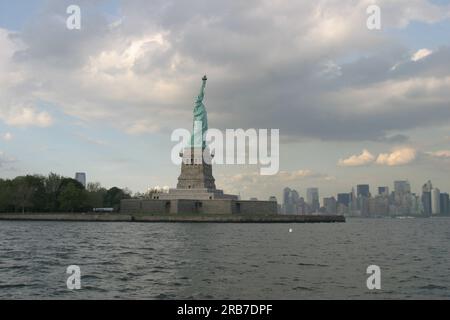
288	205
362	190
302	207
444	204
383	191
312	199
344	199
426	202
378	206
342	209
402	197
293	203
416	205
363	206
427	186
330	205
402	187
435	201
426	197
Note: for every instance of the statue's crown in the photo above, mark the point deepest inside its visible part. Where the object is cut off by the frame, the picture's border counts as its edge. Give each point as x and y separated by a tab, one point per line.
204	78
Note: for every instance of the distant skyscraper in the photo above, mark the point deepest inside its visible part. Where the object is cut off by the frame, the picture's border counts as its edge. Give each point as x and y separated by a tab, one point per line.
427	187
402	187
435	201
426	197
292	202
383	191
344	198
379	206
81	178
330	205
402	197
426	202
444	203
301	206
288	205
294	196
279	206
362	190
312	198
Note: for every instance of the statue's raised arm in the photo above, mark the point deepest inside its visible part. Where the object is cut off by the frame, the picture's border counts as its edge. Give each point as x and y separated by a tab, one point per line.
202	91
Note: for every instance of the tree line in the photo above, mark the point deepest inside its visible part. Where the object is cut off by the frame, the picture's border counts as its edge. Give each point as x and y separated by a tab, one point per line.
55	193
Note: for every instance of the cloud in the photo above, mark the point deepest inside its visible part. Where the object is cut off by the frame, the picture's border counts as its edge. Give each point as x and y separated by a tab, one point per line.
282	177
420	54
27	116
397	157
276	64
90	140
301	175
7	136
16	103
357	160
443	154
142	126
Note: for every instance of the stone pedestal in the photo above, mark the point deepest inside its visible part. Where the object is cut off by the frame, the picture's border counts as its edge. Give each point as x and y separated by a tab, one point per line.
196	181
196	171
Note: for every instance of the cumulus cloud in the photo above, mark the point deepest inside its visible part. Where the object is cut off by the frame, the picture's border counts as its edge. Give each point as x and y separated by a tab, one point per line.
443	154
420	54
357	160
397	157
26	116
273	63
16	106
282	176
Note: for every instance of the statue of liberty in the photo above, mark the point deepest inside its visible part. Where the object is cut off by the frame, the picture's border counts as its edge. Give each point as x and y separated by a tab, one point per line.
200	123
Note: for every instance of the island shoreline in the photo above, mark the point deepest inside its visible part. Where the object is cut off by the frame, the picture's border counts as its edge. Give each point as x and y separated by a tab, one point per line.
178	218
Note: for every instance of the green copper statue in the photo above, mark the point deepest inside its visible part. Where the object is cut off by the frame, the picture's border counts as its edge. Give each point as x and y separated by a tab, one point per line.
200	125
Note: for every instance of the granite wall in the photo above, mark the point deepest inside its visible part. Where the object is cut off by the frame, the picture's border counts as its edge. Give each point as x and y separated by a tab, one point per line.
209	207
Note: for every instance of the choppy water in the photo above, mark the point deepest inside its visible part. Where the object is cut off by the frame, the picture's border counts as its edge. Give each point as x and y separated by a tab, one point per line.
226	261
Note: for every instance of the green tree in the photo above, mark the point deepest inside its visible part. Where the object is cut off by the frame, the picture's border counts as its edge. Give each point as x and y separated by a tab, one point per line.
72	196
28	193
52	188
113	197
95	195
6	193
55	193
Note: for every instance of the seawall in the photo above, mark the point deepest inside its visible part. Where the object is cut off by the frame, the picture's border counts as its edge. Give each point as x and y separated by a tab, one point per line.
117	217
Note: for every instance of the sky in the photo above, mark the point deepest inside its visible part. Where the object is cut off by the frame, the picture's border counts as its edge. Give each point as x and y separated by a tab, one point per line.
353	105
